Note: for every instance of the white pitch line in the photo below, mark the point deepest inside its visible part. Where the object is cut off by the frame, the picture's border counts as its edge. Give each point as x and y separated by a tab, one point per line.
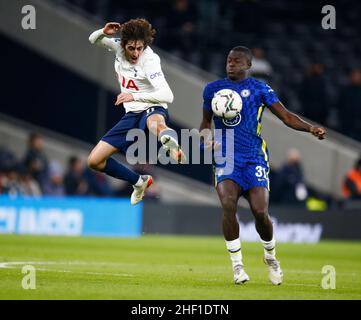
14	264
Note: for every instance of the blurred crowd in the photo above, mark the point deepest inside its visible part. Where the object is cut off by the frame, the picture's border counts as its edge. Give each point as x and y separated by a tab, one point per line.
342	113
291	177
351	187
36	175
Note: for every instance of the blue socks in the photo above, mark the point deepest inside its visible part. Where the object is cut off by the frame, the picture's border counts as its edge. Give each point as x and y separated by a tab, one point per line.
117	170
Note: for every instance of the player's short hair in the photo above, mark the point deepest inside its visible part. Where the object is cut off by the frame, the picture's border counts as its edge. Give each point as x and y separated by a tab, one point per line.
137	29
246	51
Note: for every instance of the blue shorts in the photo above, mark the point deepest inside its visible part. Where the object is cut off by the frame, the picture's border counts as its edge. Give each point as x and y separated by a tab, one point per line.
246	175
116	136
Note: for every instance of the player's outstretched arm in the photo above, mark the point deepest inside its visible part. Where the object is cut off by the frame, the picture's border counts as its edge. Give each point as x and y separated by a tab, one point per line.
295	122
99	37
206	123
207	120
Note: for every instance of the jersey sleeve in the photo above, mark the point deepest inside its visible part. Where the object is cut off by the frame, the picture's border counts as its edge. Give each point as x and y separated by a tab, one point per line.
207	98
155	75
154	72
99	38
269	96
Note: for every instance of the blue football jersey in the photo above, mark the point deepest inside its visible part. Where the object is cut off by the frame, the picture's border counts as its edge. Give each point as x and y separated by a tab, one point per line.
249	146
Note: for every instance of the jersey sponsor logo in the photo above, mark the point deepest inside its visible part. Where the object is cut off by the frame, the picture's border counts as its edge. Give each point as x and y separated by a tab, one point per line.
129	84
232	122
154	75
245	93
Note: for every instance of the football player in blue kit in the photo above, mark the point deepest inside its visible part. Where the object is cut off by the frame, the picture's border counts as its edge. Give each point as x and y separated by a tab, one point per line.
250	161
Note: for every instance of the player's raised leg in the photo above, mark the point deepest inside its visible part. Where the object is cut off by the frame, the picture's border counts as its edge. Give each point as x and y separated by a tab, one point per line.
167	136
258	198
100	160
229	193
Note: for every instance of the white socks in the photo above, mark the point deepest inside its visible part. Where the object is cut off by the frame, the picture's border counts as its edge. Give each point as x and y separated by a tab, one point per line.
234	249
269	247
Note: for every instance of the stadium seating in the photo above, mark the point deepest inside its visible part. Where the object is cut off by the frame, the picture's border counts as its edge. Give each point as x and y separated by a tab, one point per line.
291	36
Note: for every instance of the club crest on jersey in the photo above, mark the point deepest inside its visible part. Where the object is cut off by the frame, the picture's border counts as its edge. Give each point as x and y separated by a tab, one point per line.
245	93
135	72
232	122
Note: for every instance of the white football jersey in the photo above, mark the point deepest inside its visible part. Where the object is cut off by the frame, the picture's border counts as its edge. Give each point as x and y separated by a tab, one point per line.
144	80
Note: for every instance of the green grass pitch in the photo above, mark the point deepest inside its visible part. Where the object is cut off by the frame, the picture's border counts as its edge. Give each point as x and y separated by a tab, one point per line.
170	267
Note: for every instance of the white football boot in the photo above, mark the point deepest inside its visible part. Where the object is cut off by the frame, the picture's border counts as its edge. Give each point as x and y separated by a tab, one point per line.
138	192
172	146
274	267
239	275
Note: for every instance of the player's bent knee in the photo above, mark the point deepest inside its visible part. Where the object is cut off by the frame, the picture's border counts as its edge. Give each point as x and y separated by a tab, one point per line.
261	214
91	163
229	205
94	164
229	216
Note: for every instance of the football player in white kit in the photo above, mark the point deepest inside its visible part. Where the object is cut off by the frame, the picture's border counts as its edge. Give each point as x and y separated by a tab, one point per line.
145	94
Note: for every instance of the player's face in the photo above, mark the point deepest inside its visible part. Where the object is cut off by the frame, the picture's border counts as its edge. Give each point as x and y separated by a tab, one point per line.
237	64
133	49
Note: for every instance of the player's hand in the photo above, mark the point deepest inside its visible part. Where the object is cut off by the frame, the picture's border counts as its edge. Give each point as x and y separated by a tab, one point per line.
111	28
318	132
212	145
124	97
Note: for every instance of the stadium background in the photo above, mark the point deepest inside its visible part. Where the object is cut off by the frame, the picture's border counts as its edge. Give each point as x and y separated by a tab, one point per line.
60	90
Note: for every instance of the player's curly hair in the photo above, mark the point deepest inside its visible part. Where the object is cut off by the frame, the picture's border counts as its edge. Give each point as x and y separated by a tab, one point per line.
137	29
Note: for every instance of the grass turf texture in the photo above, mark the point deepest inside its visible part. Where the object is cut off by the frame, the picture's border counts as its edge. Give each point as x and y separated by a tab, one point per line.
159	267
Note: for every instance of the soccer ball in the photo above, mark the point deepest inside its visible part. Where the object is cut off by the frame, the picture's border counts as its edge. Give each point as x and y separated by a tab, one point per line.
226	104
